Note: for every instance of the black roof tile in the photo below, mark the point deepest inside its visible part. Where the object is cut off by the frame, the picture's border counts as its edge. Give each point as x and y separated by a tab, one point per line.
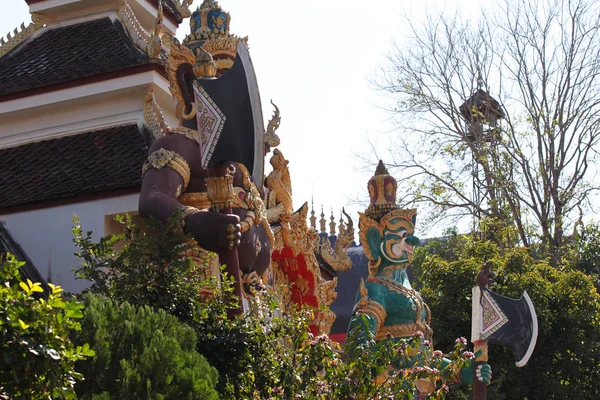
85	163
66	53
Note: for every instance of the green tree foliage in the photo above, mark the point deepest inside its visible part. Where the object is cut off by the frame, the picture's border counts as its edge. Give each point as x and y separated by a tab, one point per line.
141	354
37	356
565	363
584	253
143	268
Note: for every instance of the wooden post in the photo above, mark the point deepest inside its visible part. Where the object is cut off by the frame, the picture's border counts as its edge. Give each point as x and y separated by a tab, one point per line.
480	388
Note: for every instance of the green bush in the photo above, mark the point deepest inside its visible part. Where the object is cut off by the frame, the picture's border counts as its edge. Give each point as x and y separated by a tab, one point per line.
564	364
141	354
37	357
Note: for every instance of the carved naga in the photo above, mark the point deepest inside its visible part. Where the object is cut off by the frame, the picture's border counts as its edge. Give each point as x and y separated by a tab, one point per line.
336	257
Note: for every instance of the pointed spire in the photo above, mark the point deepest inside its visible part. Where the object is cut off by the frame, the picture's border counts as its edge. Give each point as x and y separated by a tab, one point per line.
313	219
322	221
341	226
332	224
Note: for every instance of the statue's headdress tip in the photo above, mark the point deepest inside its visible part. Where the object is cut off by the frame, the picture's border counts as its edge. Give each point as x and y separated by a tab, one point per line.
381	169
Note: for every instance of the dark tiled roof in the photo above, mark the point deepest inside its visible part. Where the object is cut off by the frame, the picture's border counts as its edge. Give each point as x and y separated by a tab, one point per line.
85	163
347	288
67	53
8	245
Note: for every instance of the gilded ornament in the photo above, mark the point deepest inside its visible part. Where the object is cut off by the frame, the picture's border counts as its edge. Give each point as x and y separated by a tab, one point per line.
198	200
279	200
22	33
140	37
178	55
205	66
166	158
271	138
154	42
301	284
337	257
220	190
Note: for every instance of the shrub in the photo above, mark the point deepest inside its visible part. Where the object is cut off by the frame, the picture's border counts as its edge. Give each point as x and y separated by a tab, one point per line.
38	357
142	354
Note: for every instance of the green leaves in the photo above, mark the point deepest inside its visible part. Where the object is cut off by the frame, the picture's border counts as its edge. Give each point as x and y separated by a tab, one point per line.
38	357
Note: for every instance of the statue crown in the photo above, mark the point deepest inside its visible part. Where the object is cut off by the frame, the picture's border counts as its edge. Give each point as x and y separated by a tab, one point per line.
209	21
209	29
382	193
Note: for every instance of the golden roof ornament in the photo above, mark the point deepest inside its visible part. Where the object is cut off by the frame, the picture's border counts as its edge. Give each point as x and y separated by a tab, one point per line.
313	219
341	226
332	225
271	138
322	221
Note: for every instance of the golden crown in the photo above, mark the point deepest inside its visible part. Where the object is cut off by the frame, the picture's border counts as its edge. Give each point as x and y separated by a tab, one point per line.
382	193
209	29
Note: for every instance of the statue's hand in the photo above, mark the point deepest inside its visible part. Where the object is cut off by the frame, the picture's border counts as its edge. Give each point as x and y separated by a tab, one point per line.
214	231
482	371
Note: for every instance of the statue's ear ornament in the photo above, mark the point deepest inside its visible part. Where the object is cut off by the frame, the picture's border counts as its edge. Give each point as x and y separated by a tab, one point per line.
369	229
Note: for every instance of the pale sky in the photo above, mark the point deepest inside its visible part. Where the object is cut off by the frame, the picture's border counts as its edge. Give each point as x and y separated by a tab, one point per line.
313	59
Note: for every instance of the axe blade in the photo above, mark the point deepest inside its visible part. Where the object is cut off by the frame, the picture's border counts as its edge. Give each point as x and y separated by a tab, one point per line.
505	321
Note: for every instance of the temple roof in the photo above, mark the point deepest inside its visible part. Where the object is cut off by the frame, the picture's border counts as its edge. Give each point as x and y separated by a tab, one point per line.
169	7
89	162
8	245
347	287
66	53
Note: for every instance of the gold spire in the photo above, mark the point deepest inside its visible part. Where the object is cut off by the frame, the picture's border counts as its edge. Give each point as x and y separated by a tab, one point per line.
322	221
313	219
341	226
332	224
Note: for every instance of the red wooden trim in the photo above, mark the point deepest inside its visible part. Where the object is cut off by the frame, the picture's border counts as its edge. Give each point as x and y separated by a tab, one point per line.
87	80
80	198
338	337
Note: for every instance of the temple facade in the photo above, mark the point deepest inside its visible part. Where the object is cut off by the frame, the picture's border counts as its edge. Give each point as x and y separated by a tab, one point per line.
76	87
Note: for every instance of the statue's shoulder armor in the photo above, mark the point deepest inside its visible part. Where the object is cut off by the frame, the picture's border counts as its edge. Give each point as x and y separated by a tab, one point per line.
377	292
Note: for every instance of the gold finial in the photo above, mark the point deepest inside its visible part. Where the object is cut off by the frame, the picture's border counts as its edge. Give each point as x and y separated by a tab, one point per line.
322	221
332	224
313	219
341	226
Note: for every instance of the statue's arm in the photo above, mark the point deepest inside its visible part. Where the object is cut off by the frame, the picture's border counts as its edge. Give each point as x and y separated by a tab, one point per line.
166	175
369	314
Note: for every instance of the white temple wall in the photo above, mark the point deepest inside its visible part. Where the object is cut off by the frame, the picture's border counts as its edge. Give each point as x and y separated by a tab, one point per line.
83	108
45	234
